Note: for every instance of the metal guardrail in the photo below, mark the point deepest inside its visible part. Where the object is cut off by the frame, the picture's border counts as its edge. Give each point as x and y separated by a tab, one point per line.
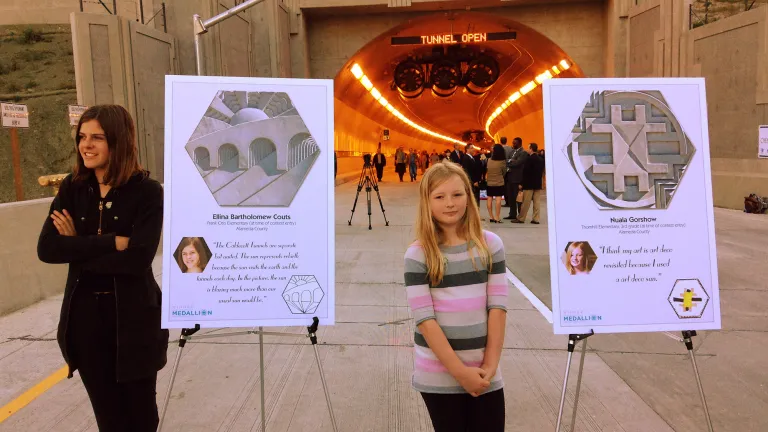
53	181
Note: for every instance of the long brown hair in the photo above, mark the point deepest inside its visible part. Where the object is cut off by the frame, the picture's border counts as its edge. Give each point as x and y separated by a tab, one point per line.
120	133
202	252
428	232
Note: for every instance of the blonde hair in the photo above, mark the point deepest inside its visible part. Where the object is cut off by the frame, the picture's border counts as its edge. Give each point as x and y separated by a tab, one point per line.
428	232
586	256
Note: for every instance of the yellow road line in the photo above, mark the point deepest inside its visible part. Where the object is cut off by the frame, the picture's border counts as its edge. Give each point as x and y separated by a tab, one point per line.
32	394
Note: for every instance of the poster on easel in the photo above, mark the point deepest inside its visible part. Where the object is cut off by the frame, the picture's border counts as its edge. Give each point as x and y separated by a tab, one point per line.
629	200
249	202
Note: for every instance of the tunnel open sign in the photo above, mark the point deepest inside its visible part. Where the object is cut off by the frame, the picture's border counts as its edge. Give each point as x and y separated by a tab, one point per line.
14	115
456	38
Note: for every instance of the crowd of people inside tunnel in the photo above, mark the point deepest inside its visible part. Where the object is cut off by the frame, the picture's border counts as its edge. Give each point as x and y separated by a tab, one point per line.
505	173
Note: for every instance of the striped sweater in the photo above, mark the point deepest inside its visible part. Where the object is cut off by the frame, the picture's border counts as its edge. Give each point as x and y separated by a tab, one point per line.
460	304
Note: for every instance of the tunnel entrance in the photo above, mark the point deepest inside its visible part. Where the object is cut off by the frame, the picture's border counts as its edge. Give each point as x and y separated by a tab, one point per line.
448	78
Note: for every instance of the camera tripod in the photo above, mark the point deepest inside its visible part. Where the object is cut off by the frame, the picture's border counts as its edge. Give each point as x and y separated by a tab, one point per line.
368	180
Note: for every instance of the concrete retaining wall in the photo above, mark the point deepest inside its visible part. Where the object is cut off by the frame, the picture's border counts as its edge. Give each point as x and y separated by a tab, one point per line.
24	280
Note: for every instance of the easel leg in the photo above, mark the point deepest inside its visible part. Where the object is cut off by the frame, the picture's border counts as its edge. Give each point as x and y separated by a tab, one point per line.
182	341
578	384
313	337
263	394
571	345
572	340
687	335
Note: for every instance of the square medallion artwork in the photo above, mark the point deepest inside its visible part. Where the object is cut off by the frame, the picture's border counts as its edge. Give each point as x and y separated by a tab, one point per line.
252	149
629	150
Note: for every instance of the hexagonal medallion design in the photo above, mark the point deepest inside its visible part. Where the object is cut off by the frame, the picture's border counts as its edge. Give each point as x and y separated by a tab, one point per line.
629	150
688	298
303	294
252	149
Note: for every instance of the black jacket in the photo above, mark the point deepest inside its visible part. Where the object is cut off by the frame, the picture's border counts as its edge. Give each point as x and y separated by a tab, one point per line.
456	156
383	160
533	173
516	165
473	167
135	211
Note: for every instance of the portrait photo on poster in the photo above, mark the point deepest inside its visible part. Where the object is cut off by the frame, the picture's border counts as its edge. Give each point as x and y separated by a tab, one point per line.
192	255
579	258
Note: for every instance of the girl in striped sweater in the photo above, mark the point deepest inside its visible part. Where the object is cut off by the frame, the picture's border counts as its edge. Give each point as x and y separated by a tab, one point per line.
457	291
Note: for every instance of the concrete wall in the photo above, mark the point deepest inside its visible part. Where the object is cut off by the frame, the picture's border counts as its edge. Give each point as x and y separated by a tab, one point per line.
118	61
25	280
576	27
529	128
57	11
732	54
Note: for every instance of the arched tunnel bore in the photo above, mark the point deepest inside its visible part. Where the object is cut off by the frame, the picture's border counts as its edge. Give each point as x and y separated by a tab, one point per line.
416	80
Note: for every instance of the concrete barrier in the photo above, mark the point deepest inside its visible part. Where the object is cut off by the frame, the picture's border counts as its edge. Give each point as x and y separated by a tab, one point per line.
24	279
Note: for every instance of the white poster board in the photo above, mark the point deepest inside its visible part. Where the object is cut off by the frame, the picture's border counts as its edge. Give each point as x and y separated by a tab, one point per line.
629	199
762	146
14	115
249	202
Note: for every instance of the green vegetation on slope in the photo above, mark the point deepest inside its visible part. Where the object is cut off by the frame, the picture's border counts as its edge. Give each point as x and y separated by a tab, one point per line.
35	61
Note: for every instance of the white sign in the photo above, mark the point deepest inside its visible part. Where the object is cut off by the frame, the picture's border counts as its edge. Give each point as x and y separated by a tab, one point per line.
629	196
762	148
14	115
249	202
75	112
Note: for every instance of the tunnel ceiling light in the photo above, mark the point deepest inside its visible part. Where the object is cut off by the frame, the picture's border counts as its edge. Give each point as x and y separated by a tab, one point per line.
544	76
527	88
366	83
524	90
357	71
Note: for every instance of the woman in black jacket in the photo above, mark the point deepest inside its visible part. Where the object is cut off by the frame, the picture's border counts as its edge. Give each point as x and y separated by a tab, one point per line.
106	223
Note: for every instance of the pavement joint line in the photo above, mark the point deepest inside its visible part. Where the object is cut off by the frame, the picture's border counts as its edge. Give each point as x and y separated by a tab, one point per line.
529	295
28	396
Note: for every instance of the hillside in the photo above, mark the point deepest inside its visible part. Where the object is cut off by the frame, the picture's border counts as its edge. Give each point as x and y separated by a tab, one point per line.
707	11
37	69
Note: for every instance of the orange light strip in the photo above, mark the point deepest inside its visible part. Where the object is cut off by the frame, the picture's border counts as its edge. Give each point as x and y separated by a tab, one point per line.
524	90
359	75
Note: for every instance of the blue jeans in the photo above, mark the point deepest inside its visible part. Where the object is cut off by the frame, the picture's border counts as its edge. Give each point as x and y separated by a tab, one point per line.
413	171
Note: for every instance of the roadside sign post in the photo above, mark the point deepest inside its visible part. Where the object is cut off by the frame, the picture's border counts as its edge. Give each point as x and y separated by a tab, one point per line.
15	116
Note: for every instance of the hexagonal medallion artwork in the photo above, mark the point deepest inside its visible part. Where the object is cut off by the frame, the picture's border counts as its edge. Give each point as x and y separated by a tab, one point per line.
629	150
252	149
688	298
303	294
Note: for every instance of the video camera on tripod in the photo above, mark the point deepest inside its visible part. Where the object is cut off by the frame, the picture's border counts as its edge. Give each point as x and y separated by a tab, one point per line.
369	181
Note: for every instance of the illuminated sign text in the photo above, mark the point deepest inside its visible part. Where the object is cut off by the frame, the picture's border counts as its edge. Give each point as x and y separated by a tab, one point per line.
448	38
